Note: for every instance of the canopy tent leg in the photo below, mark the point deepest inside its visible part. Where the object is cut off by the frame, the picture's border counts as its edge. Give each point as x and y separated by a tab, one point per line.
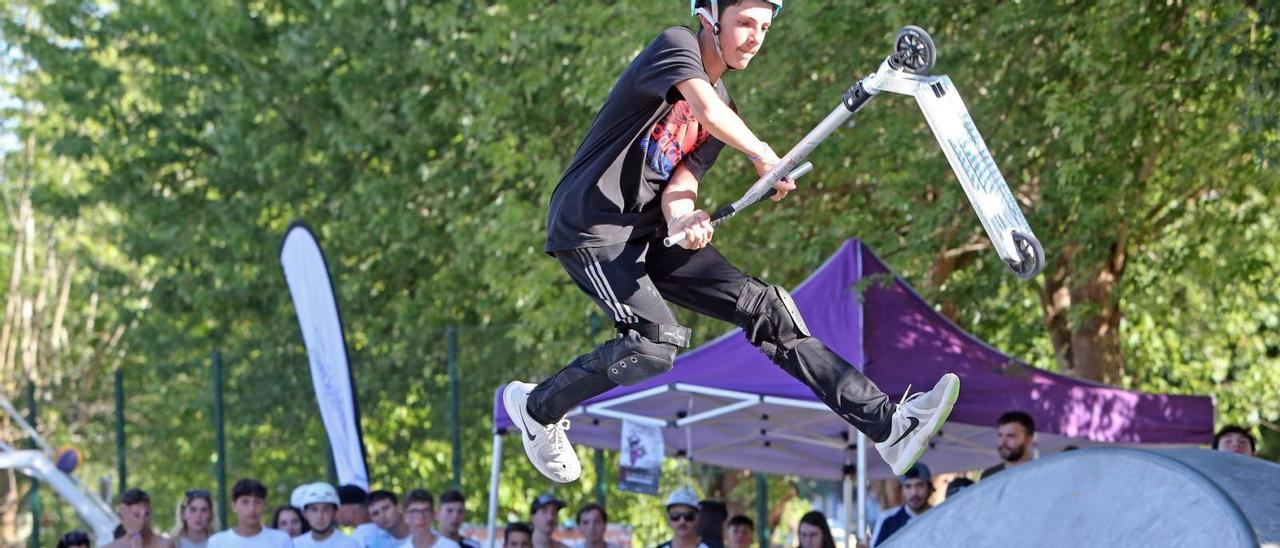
762	508
846	481
862	486
494	473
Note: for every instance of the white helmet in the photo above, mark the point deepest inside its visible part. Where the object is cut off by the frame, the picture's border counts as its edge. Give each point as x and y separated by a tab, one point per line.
313	493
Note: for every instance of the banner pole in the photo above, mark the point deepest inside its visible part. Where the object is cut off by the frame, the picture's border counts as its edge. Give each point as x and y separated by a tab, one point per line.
33	497
122	469
219	437
455	436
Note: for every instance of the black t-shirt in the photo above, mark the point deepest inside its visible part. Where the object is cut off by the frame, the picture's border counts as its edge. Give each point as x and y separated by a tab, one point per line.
611	191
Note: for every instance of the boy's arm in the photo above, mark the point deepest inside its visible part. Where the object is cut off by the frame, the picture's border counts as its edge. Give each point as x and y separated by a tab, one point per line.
725	125
679	207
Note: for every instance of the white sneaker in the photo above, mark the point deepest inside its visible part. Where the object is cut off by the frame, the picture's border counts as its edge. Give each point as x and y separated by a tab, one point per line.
917	419
546	446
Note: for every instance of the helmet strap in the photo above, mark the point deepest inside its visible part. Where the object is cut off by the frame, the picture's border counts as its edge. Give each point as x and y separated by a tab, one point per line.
713	17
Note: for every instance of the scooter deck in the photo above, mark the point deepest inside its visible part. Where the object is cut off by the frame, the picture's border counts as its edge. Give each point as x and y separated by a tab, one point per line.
974	167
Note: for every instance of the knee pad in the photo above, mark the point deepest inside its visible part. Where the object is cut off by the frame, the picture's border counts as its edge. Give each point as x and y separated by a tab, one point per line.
769	318
633	357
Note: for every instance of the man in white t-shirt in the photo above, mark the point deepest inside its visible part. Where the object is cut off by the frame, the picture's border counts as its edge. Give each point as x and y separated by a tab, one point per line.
248	499
392	531
319	504
420	514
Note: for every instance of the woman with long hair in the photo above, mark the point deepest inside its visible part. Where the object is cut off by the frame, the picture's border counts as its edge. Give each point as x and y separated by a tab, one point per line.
814	531
196	520
289	519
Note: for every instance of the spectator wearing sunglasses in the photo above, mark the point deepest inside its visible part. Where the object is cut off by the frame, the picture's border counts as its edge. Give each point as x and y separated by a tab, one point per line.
682	516
196	520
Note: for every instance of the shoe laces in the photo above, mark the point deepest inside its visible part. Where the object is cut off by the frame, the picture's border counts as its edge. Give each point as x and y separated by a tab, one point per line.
556	433
904	394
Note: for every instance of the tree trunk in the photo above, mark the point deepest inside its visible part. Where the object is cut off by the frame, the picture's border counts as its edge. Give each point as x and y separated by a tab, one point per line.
1055	300
1095	342
1090	347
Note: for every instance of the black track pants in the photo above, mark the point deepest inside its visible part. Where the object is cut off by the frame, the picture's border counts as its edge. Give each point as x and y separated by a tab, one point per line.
631	282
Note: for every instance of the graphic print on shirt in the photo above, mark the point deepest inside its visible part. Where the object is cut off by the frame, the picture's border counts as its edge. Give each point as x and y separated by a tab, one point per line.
674	137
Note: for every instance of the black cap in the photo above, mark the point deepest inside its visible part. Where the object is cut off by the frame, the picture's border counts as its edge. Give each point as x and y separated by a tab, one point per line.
543	500
352	494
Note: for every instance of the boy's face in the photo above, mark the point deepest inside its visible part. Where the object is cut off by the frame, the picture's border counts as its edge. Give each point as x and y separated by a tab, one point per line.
517	539
352	514
248	509
451	515
135	517
386	514
419	516
544	520
1235	442
592	526
740	535
320	516
742	30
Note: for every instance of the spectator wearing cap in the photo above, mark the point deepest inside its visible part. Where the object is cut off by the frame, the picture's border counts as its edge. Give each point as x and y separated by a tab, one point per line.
319	503
392	531
451	513
593	522
1235	439
420	514
682	516
917	485
196	520
543	515
1015	433
517	535
248	500
135	518
742	532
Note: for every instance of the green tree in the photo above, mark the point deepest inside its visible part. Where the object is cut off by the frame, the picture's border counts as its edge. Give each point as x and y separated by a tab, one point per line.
423	140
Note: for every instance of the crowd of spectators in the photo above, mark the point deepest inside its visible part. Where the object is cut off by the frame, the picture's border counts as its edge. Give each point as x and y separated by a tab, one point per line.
319	515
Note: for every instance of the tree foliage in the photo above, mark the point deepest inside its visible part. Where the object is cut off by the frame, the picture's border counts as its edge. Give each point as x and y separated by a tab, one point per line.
423	139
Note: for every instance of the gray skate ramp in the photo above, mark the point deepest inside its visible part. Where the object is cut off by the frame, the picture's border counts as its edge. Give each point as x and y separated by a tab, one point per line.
1112	497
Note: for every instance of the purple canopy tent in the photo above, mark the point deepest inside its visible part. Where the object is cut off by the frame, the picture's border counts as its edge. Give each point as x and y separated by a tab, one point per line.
725	404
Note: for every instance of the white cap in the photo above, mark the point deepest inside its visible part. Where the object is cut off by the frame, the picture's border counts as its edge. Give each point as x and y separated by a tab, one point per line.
313	493
683	495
